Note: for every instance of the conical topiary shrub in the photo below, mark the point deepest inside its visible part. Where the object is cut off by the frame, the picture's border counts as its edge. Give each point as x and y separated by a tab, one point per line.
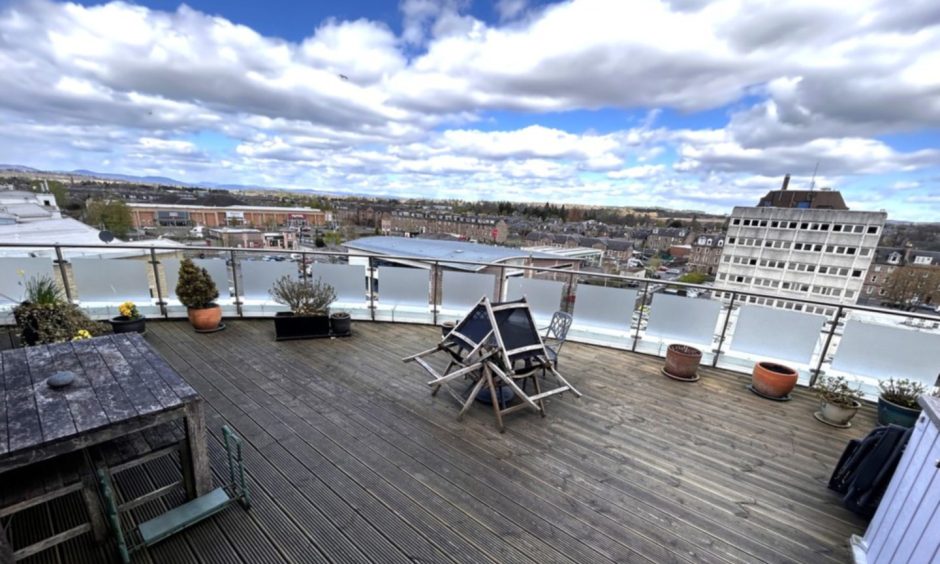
196	290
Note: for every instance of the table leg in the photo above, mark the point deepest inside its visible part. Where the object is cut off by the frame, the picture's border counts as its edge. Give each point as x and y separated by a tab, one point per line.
196	471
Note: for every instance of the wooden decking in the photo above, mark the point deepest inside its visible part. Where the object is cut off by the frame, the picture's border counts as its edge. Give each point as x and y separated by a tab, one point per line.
351	460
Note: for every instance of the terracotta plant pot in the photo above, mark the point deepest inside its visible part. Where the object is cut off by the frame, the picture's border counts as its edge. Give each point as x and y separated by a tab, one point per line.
772	380
837	415
682	362
206	318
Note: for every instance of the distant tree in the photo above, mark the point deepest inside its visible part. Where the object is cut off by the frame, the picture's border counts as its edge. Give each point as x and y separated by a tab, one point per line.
319	242
674	223
909	285
113	215
694	278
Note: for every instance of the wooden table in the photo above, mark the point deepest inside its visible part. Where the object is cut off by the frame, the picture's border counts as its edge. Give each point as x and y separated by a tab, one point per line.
121	386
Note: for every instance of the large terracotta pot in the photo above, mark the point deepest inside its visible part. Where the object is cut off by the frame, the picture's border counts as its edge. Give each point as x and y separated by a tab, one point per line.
773	380
206	318
682	362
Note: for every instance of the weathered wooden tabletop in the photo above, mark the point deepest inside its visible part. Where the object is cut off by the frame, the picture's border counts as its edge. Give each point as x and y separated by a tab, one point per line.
121	384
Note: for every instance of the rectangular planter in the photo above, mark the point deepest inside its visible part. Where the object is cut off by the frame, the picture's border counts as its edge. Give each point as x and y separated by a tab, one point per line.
288	326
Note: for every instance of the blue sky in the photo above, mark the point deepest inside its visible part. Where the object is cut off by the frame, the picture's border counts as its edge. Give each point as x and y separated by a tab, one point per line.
690	104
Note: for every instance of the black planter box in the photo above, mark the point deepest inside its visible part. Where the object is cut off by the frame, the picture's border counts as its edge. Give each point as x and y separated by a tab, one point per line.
288	326
123	324
341	326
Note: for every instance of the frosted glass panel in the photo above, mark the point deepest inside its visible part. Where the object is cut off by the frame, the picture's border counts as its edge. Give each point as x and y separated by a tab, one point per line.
216	268
111	280
543	296
258	276
687	320
16	272
606	308
888	352
348	280
403	286
462	290
777	333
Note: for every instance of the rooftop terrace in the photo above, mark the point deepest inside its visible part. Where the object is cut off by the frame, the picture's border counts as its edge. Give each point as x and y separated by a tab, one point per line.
351	460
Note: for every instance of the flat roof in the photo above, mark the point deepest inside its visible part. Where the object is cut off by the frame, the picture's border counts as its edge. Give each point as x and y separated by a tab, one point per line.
223	208
434	249
566	252
46	233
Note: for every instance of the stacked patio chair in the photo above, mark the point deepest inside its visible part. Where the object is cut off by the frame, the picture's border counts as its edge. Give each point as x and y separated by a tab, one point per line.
496	345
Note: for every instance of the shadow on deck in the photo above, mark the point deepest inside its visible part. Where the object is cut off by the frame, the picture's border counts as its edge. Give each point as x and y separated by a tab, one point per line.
351	460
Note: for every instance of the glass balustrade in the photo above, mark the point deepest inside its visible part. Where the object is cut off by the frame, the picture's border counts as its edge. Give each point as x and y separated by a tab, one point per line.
868	345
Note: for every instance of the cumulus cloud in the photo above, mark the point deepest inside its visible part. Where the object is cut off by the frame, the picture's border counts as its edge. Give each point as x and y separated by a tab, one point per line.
355	107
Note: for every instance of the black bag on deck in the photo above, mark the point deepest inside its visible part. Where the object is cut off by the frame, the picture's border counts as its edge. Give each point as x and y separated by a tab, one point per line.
866	466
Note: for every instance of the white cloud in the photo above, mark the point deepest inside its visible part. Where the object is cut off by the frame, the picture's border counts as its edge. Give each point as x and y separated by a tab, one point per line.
354	107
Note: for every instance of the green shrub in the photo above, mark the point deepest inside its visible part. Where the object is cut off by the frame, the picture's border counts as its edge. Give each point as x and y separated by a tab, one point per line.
902	392
303	298
53	323
836	390
195	288
43	290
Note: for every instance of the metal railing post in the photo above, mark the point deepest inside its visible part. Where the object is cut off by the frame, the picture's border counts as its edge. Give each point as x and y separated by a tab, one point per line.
370	276
60	260
238	298
156	280
639	317
724	329
825	349
569	295
435	286
501	287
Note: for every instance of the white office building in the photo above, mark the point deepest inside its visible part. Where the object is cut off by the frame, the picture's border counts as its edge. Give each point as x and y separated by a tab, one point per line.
799	244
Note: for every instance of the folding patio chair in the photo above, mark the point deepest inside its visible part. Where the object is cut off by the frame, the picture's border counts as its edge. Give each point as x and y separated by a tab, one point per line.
495	339
555	334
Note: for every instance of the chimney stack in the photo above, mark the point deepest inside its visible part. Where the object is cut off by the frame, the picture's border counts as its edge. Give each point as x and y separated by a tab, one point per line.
786	182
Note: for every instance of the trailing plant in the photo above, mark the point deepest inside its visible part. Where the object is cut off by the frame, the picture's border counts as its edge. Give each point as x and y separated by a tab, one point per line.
43	290
53	323
836	390
302	297
902	392
195	288
129	310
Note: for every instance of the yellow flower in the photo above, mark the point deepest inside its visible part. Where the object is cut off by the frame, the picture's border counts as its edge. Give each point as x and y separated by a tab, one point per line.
82	334
129	310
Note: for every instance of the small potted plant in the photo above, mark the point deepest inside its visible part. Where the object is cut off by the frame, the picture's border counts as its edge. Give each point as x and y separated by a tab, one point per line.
46	317
309	303
130	320
838	402
340	324
897	402
773	381
196	290
682	362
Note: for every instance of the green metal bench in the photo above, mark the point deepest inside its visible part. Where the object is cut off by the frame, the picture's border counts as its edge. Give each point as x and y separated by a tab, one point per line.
186	515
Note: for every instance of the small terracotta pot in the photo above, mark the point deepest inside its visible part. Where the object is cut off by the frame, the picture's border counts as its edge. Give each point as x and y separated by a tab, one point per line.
682	362
206	318
773	380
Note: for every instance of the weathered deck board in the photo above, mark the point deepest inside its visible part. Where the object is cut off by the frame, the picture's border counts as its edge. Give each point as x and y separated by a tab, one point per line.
351	459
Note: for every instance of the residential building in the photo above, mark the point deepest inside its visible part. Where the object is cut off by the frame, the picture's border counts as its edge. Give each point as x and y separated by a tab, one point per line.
477	227
815	249
902	276
661	238
184	215
706	253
